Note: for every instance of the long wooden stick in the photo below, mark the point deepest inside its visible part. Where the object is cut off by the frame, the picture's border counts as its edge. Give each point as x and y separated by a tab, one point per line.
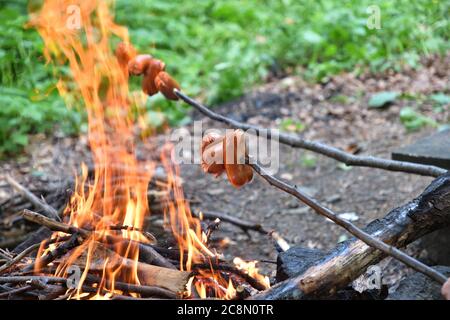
427	213
321	148
350	227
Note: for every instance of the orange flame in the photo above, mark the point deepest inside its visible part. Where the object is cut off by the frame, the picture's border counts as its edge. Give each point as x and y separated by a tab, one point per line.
117	193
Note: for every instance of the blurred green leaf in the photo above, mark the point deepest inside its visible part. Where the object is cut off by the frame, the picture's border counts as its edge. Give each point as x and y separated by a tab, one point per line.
440	98
413	120
381	99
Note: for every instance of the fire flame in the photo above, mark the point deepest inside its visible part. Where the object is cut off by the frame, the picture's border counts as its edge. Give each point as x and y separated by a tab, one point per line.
117	193
117	196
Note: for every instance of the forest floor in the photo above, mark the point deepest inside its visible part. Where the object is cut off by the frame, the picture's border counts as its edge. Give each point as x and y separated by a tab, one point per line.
336	113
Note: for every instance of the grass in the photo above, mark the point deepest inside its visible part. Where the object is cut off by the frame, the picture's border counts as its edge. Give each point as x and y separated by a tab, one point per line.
219	49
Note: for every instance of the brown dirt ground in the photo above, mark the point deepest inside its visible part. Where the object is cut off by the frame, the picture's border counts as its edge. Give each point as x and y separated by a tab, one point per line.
336	113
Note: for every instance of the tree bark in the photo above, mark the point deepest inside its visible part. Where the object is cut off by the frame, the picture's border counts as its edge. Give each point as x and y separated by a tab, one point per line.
428	212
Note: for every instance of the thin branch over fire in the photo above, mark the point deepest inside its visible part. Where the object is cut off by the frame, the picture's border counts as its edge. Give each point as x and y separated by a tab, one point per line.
321	148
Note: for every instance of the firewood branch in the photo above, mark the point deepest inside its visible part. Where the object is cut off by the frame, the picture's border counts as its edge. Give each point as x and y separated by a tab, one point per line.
427	213
321	148
146	253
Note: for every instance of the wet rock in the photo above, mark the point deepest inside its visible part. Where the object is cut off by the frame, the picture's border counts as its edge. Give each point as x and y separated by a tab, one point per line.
429	150
419	287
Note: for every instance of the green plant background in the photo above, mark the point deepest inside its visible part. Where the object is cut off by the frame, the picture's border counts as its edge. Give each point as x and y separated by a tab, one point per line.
218	49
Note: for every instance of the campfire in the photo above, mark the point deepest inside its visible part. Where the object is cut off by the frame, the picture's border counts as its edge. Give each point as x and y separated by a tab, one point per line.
104	244
99	245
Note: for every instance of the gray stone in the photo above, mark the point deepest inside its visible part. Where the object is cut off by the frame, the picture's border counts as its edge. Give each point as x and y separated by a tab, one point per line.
432	150
419	287
437	247
295	261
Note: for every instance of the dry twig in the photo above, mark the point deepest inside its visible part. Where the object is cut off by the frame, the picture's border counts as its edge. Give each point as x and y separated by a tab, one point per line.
48	210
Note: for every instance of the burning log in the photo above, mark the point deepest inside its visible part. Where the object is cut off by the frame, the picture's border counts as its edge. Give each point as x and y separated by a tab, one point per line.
52	224
428	212
62	249
53	288
245	278
149	275
146	253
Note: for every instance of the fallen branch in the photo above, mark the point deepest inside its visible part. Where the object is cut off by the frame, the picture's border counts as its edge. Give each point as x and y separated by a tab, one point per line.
326	150
48	210
25	279
9	293
54	254
19	257
427	213
246	226
52	224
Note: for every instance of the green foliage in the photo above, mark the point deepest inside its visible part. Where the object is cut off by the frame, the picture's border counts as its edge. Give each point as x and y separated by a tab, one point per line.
20	116
413	120
29	102
440	98
219	48
291	125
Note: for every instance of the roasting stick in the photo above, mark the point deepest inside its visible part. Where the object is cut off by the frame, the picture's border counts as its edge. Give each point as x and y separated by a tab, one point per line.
48	210
321	148
348	159
350	227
